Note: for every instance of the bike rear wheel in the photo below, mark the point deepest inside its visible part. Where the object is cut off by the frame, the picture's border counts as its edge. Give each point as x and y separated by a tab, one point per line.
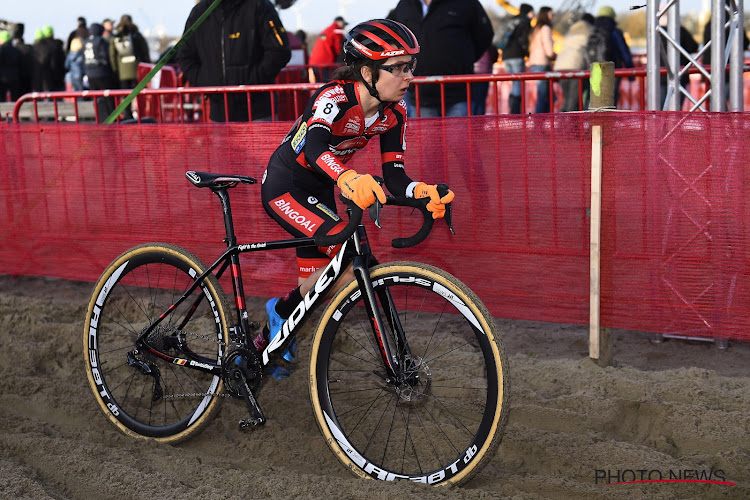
441	426
141	393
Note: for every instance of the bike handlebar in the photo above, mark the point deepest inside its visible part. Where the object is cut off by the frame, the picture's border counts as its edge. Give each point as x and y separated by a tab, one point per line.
355	217
356	213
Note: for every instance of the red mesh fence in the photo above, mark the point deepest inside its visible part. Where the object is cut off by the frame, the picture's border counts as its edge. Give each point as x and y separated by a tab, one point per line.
674	239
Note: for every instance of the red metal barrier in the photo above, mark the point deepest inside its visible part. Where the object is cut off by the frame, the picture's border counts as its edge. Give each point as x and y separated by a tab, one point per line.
675	250
187	104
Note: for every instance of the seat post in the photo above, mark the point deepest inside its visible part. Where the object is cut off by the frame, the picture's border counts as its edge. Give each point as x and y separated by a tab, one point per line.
223	195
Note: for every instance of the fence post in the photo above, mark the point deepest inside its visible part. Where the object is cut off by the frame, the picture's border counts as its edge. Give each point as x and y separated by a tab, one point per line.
600	346
602	82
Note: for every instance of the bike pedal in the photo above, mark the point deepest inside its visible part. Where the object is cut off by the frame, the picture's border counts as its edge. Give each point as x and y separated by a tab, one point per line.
251	423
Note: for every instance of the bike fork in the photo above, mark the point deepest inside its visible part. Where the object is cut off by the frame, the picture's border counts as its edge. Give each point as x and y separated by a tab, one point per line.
362	273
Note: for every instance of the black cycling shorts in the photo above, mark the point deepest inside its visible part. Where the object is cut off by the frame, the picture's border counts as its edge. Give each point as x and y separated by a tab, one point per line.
303	203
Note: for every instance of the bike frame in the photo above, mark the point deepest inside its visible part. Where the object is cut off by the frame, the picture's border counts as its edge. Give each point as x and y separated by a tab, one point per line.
355	250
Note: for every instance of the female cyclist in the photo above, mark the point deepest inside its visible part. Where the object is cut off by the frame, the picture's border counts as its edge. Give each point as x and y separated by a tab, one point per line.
364	99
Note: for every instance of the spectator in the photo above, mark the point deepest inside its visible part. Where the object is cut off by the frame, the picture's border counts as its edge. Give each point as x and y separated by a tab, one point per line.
607	37
11	68
172	61
50	60
109	27
541	56
126	49
27	54
81	32
453	35
515	53
98	70
302	38
242	42
74	64
479	89
572	57
327	49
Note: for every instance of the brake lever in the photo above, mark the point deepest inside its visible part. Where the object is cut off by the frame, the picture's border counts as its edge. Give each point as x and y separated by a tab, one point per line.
374	212
376	207
442	191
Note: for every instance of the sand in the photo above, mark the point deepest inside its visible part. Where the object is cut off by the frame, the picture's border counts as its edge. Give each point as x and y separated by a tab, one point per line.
672	410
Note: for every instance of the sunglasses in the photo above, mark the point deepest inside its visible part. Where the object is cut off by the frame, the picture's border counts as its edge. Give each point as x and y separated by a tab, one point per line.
402	68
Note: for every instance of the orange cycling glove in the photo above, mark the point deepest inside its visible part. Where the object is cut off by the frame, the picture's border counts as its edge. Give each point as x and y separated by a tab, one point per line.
436	204
361	189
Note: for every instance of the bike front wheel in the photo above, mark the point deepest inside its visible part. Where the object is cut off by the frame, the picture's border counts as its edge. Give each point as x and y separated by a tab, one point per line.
443	422
142	393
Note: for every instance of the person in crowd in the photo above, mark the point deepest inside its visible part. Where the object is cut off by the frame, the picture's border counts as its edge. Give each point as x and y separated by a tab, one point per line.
454	34
97	68
27	54
74	64
328	47
364	99
515	53
242	42
127	48
572	57
542	55
50	61
81	32
109	26
11	68
302	36
607	38
479	89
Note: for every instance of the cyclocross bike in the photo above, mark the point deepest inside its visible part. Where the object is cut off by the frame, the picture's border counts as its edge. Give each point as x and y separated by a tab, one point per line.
408	375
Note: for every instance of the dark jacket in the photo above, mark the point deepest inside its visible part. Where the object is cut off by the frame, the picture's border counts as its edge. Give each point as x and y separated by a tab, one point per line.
518	45
50	59
96	54
242	42
453	35
620	51
11	71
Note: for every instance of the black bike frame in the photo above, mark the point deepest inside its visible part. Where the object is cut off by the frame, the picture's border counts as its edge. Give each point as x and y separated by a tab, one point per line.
355	249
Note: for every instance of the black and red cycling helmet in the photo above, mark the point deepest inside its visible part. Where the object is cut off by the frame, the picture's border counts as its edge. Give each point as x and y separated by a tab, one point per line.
377	40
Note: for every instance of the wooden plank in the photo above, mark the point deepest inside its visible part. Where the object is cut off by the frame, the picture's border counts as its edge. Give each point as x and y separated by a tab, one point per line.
595	241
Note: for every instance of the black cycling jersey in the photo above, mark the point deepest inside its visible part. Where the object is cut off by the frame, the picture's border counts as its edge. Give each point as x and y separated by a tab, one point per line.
298	184
333	128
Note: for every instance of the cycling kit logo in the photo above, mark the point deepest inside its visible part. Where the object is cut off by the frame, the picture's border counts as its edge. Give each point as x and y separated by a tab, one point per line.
617	477
289	209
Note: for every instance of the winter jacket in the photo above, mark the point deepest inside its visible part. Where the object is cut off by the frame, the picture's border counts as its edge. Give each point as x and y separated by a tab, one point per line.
242	42
572	57
11	71
74	66
452	36
125	64
96	54
328	45
621	52
518	46
50	64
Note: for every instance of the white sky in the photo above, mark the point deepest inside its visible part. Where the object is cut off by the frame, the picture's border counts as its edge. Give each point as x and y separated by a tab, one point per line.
170	15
